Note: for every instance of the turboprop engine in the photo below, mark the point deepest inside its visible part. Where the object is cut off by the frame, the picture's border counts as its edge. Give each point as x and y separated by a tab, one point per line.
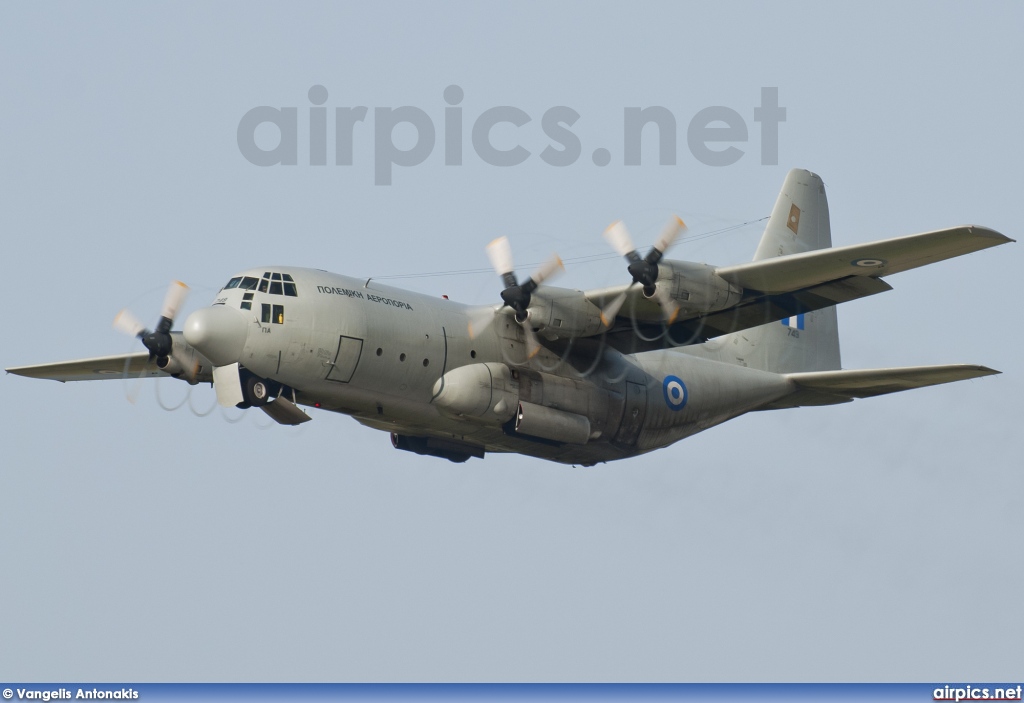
531	403
696	288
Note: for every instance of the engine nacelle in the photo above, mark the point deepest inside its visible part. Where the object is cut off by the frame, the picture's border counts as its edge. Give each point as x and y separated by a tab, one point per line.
696	287
180	364
564	312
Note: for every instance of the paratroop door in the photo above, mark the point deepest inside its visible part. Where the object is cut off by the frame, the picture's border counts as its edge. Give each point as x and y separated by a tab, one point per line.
346	360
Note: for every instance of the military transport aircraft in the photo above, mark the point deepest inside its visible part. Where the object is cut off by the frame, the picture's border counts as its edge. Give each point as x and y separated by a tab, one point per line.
572	376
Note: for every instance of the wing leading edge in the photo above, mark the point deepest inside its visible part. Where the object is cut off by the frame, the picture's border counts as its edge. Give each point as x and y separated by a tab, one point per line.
137	364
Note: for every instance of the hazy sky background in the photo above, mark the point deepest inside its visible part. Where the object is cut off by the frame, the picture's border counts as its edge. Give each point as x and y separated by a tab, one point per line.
880	540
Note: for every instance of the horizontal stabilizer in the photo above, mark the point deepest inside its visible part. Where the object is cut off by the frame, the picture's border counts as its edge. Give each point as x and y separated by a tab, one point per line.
874	259
833	387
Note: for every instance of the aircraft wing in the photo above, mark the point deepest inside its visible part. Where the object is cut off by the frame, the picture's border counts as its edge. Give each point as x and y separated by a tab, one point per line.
784	274
832	387
135	365
784	286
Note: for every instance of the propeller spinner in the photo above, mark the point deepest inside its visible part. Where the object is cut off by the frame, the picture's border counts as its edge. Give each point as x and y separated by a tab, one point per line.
644	270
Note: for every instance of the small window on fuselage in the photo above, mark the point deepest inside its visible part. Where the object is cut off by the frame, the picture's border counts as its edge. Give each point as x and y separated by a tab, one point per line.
265	313
278	315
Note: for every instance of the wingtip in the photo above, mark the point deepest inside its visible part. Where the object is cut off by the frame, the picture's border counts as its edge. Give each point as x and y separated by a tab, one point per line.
989	233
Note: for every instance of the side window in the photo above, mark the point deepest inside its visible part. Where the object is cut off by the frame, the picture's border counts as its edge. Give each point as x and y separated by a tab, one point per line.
246	301
278	314
265	312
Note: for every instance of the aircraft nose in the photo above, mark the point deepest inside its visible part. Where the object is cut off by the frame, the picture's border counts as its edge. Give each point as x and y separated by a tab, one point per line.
218	333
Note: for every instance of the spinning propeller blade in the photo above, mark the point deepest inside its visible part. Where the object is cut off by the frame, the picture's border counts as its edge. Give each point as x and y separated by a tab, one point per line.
500	253
479	320
173	299
618	236
128	324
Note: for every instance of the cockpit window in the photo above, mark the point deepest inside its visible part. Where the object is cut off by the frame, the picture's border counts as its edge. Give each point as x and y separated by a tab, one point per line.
271	283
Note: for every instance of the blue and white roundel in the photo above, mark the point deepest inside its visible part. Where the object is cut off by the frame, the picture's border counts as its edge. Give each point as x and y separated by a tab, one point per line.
675	392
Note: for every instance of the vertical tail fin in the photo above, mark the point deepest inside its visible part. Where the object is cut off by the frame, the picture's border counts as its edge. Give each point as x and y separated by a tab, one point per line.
808	342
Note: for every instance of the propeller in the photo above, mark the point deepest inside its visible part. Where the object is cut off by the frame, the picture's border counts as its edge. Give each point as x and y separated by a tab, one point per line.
158	341
644	270
515	295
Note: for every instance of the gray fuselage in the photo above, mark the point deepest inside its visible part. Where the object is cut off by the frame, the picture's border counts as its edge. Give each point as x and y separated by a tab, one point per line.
380	353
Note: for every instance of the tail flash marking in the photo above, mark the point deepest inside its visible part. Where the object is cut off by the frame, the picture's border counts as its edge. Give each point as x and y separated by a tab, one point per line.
794	218
796	322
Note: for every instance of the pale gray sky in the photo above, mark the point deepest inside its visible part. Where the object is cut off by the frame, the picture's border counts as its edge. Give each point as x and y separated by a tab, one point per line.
880	540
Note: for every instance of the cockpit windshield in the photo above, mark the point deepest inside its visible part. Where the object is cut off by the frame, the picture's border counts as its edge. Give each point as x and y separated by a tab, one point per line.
272	283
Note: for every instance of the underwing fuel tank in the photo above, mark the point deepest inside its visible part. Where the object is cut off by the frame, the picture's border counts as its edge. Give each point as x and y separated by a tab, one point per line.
540	404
